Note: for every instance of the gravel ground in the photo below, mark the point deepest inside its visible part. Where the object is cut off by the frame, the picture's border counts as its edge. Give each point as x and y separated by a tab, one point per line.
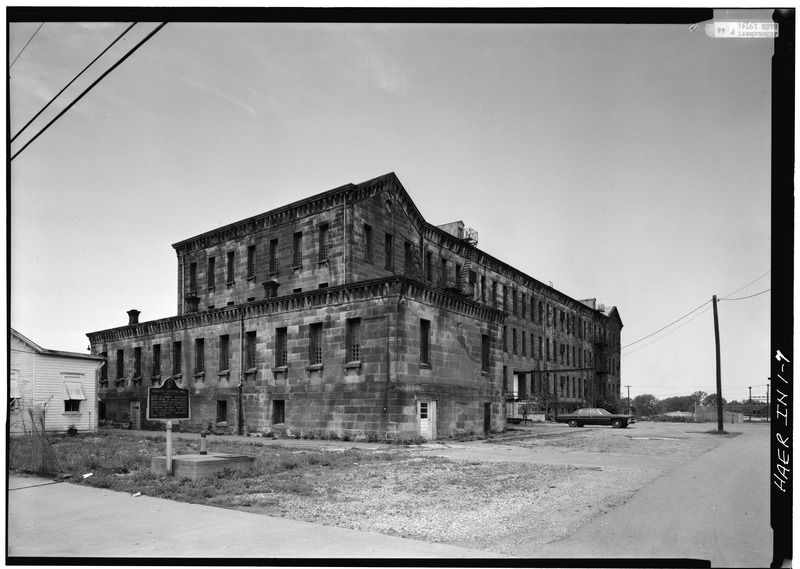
475	498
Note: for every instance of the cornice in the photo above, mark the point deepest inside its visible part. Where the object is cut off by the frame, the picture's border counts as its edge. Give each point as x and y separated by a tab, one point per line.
394	286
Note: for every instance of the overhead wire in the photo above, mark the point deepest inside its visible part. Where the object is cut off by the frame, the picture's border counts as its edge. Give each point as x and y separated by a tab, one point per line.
26	45
745	297
695	310
71	82
667	334
667	326
90	87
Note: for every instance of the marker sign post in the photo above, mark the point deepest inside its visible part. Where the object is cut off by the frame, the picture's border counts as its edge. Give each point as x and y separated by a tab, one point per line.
168	402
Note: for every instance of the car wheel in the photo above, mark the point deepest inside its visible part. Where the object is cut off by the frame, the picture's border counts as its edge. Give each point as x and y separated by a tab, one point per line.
616	423
573	423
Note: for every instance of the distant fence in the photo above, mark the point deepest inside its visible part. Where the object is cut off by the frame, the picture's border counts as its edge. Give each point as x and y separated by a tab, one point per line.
709	415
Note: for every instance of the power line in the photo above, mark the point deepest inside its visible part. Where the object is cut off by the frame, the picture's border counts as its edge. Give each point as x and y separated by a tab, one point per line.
747	285
90	87
665	335
71	82
26	45
695	310
751	296
667	326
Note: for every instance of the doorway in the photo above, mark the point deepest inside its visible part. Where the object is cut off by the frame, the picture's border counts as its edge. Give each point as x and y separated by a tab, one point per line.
426	411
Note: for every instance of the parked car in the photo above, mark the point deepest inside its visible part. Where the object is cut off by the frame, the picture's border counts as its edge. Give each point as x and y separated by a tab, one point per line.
594	416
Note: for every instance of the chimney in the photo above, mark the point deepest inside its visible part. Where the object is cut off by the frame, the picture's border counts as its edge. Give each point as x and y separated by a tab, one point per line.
133	317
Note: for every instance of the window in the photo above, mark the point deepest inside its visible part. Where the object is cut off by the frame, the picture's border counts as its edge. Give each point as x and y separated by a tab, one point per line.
429	266
120	364
281	347
505	338
250	350
483	288
514	340
177	358
137	362
367	243
73	395
278	412
297	250
104	369
524	348
156	359
193	276
514	302
353	344
199	355
222	411
387	252
251	262
224	352
425	341
522	309
540	347
315	344
408	260
273	256
485	352
211	275
494	294
541	312
323	242
443	274
505	298
231	257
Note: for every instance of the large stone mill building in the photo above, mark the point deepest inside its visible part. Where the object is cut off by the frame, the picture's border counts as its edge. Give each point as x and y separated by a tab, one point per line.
347	313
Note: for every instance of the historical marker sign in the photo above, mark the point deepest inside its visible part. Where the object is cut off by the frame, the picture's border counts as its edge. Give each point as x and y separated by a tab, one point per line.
167	402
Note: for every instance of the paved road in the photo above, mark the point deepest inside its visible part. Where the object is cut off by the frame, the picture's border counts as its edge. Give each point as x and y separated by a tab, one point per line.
713	507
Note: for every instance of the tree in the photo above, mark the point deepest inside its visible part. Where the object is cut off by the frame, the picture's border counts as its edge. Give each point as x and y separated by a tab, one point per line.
711	400
645	404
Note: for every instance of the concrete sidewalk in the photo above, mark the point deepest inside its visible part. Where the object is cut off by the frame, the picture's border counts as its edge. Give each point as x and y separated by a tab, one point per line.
49	519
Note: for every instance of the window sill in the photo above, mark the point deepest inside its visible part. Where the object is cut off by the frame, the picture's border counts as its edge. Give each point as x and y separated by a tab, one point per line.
230	283
280	369
250	371
210	289
224	373
352	365
251	278
322	262
425	365
103	383
297	268
155	379
200	375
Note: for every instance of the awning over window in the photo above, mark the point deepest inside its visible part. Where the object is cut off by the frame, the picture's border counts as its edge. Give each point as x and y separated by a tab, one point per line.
13	392
73	390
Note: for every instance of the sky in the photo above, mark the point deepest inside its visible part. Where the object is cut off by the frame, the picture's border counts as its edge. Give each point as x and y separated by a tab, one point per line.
627	163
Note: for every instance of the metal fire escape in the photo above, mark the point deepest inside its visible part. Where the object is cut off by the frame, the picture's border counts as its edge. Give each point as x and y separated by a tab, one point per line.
465	285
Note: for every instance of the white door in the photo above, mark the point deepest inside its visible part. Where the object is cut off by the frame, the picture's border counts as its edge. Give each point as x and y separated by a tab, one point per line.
427	419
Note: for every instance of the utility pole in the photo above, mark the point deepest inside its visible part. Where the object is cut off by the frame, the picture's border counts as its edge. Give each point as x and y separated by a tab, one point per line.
629	399
719	370
750	397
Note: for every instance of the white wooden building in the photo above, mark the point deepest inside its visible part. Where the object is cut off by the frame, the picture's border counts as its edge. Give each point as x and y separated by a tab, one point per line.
59	387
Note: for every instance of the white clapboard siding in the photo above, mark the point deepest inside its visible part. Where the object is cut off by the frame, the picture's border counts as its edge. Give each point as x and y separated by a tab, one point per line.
40	376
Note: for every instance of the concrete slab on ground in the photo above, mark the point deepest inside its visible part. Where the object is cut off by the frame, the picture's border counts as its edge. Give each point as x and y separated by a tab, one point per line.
49	519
